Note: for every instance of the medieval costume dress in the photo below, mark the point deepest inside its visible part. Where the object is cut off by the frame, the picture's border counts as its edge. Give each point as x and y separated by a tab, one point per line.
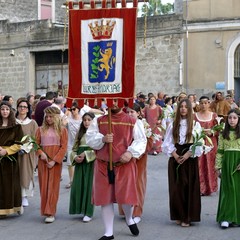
221	107
128	136
206	162
152	116
27	161
49	178
10	189
81	189
141	180
183	180
227	160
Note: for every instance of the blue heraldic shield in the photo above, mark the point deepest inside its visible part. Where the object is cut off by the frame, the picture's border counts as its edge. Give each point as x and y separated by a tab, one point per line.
101	61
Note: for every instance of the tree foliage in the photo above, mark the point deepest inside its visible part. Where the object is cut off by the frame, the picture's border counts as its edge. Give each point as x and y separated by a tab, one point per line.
155	7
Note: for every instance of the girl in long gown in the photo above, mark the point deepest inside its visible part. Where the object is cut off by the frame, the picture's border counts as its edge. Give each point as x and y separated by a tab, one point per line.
153	113
81	190
183	173
10	135
206	162
52	138
27	161
228	164
73	124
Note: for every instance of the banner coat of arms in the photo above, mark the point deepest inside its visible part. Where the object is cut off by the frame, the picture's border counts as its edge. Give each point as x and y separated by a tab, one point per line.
102	45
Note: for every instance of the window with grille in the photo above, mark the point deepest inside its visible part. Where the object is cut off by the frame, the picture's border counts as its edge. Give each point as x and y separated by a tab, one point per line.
51	57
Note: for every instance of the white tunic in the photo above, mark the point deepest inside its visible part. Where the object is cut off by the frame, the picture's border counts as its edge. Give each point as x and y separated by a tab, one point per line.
137	147
168	146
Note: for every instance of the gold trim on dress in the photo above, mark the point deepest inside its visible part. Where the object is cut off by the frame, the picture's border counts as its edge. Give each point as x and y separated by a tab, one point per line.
10	211
118	123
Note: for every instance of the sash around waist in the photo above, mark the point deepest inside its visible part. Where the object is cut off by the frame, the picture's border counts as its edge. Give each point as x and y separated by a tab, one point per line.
115	164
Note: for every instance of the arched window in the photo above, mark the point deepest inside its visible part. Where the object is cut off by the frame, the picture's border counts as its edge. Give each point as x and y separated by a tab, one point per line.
237	63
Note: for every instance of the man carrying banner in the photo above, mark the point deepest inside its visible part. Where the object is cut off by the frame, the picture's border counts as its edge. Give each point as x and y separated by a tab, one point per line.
128	143
102	51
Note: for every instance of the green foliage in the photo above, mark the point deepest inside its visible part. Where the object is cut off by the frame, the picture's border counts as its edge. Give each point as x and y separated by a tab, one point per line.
155	7
94	64
29	144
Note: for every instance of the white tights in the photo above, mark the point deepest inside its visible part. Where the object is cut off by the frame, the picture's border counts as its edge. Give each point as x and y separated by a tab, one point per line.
108	217
128	211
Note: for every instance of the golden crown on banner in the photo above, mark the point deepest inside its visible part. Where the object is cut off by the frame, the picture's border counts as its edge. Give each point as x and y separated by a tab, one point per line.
102	31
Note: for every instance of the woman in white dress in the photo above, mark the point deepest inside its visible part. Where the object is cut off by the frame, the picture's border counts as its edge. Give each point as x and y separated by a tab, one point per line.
74	121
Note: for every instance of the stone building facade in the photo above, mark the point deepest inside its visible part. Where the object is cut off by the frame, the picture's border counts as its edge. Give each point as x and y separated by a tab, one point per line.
212	45
168	61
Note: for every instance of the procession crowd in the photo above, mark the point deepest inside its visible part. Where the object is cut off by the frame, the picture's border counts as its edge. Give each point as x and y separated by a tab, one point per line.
106	151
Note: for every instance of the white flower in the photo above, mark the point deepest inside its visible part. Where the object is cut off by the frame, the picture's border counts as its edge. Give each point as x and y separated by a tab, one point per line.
31	145
148	131
157	137
207	149
219	119
197	131
27	147
219	126
167	113
145	123
199	138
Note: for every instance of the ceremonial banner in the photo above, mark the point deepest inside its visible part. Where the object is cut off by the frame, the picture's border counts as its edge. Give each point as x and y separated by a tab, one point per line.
102	46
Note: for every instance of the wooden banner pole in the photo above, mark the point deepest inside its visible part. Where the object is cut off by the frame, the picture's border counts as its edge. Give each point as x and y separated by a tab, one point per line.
110	169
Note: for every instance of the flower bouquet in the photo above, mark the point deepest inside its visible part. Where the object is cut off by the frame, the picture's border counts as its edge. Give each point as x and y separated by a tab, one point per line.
199	140
219	126
29	144
167	114
149	132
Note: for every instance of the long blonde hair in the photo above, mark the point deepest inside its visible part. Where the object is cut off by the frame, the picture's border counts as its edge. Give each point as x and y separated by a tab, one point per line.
57	122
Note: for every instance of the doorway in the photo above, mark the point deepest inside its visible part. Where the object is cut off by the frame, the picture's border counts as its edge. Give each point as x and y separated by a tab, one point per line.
51	71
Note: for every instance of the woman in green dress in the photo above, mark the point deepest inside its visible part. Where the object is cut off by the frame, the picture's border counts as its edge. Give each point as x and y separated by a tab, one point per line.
83	158
228	166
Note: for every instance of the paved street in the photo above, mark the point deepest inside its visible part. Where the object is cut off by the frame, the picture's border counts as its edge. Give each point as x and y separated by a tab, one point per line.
155	223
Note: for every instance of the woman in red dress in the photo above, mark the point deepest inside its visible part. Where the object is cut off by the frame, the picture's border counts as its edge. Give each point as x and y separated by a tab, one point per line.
153	113
206	162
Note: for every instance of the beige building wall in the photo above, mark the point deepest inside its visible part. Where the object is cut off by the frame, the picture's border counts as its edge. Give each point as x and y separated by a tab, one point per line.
213	32
206	59
209	59
212	9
